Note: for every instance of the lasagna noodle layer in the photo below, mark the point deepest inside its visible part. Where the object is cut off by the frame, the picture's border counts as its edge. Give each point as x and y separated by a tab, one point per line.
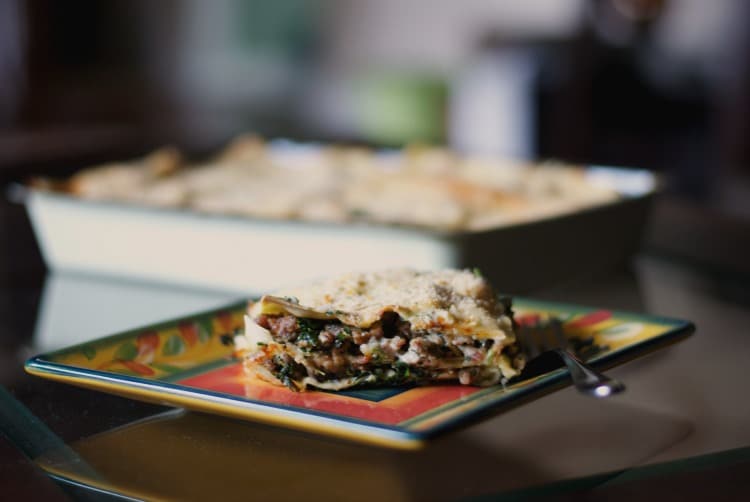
391	327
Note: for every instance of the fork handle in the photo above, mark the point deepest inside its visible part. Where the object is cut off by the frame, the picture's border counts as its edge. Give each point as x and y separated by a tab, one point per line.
587	380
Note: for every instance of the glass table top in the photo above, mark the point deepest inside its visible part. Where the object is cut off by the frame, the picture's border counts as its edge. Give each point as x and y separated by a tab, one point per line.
681	406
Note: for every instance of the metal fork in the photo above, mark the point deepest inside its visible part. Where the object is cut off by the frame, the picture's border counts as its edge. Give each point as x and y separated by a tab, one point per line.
549	337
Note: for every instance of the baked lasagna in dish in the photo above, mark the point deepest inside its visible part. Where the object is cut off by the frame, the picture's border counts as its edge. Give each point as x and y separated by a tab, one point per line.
391	327
423	187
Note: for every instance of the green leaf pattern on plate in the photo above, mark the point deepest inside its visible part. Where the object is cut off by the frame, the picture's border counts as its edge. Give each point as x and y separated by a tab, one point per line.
205	328
127	351
174	346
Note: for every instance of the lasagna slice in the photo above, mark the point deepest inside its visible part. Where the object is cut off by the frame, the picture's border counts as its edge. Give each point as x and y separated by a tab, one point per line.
392	327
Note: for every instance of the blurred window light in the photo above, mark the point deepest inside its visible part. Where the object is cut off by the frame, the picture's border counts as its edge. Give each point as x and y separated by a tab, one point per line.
492	105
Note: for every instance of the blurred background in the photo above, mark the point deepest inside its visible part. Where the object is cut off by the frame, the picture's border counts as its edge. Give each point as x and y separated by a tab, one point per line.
662	85
656	84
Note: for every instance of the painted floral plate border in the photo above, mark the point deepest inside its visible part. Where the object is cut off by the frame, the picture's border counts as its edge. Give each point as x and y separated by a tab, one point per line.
188	362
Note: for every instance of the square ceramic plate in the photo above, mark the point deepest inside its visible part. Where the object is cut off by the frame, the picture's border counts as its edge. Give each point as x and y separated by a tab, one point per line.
188	363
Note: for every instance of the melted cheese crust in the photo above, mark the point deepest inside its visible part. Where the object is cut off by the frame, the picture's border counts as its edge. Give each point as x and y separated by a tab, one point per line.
417	186
452	302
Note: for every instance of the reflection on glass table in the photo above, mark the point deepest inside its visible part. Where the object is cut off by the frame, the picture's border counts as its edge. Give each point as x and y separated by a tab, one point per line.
77	308
234	460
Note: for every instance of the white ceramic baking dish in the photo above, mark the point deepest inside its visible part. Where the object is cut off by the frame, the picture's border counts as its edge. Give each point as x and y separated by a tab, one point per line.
251	256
